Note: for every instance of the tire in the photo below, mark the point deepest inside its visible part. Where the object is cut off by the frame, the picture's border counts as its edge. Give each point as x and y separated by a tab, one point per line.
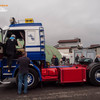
89	69
32	79
92	65
95	75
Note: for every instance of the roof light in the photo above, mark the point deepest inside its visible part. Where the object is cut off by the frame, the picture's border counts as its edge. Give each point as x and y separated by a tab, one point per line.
29	20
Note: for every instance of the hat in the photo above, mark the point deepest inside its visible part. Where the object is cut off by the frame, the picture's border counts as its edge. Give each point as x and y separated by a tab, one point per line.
13	35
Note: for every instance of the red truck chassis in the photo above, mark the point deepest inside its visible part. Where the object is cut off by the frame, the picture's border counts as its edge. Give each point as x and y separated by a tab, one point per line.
65	74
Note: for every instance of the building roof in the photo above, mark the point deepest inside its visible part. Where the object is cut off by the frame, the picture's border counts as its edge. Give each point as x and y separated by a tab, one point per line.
70	41
63	47
26	24
94	46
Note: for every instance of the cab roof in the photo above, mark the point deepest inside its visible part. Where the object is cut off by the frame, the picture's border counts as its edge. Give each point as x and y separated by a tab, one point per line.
26	24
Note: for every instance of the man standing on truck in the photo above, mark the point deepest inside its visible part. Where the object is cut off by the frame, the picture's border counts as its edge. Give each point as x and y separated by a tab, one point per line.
23	62
10	50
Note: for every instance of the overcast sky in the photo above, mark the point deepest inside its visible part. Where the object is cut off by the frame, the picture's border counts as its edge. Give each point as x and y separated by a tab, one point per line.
62	19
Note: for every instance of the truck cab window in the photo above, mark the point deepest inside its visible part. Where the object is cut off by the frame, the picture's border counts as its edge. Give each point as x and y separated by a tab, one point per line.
20	37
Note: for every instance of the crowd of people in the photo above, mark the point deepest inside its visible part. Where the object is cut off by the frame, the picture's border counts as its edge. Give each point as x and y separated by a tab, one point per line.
77	58
55	61
64	61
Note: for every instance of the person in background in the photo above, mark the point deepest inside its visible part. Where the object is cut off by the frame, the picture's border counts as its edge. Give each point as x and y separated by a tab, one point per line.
23	62
54	61
60	61
68	61
10	50
97	59
63	60
82	56
77	59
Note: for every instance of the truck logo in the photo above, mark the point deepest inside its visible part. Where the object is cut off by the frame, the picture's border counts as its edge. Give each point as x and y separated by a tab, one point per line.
32	38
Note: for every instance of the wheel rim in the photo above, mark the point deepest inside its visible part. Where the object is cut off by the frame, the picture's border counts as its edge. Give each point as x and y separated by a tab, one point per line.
97	75
30	79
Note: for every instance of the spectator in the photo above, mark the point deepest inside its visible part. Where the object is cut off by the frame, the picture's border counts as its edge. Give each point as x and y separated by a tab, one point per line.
82	56
60	61
63	60
68	61
77	58
54	61
23	72
97	59
10	50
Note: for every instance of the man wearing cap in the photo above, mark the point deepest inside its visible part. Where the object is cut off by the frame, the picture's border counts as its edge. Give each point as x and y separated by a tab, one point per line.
10	50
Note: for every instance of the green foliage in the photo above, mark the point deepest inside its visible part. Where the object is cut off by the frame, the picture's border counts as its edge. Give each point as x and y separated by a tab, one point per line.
50	51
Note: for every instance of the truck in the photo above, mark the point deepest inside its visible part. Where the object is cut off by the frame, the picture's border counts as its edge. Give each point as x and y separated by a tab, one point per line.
32	38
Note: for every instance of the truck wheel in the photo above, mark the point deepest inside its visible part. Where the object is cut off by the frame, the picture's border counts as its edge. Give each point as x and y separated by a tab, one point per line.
95	76
32	78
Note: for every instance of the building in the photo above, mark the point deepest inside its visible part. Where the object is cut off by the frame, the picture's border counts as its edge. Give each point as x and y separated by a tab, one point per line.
96	47
66	47
69	43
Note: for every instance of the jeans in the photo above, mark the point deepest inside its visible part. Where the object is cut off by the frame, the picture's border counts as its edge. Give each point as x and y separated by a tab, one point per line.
9	60
22	78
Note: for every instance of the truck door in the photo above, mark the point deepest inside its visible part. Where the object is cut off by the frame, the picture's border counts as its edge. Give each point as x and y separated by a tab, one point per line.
32	45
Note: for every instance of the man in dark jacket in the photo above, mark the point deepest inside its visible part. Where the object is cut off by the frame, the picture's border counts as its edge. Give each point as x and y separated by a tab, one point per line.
77	59
97	59
54	61
23	72
63	60
10	50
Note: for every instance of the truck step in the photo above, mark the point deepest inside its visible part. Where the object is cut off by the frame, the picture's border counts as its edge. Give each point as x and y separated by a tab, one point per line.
4	82
7	74
7	66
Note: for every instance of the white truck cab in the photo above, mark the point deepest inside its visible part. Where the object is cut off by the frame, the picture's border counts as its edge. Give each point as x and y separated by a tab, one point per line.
30	36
